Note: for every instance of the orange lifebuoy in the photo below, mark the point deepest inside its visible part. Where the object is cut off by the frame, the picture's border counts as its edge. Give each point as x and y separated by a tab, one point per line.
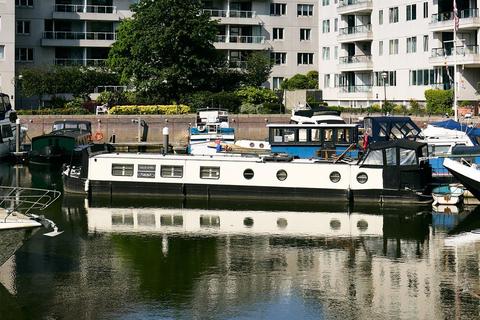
98	136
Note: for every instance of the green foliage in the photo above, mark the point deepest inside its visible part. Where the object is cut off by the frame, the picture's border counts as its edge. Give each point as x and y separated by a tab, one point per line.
400	109
57	102
256	95
374	108
439	101
226	79
466	103
248	108
166	48
54	111
153	109
415	107
313	79
75	103
301	81
388	107
114	98
272	107
259	67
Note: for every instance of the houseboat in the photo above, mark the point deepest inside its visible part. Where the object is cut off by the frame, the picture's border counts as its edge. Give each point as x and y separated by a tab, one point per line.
57	146
390	171
7	126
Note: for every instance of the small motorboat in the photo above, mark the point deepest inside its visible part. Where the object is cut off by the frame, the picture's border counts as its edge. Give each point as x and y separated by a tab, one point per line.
447	195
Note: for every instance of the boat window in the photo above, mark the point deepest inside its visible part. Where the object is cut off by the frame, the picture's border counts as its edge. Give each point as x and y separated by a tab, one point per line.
171	220
210	173
7	131
302	135
281	175
171	171
248	174
208	221
122	219
282	223
328	135
391	156
335	224
383	130
146	219
343	135
248	222
396	133
122	169
146	171
289	135
374	157
436	150
277	135
315	135
408	157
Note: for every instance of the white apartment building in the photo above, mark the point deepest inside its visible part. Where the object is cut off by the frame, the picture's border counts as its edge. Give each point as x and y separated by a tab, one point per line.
396	49
7	46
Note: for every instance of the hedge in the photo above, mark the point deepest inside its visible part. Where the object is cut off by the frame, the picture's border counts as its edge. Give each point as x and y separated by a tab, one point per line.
54	111
153	109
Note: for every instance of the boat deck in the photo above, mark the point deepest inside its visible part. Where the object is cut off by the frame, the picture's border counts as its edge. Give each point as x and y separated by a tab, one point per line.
16	221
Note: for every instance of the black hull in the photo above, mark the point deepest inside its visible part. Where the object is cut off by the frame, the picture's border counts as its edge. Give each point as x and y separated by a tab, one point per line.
472	185
73	185
11	240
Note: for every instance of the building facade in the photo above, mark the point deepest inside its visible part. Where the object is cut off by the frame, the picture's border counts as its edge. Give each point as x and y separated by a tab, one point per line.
7	47
396	49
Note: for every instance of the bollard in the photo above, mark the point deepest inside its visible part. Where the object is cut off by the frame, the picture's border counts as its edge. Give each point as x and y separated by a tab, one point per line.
165	140
17	135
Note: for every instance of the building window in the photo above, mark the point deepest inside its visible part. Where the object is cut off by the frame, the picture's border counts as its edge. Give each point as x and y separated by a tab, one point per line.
326	53
393	15
23	27
279	58
305	10
146	171
380	48
411	12
24	54
326	81
412	45
425	77
304	58
2	52
122	169
305	34
210	173
335	53
390	81
325	2
326	26
171	171
393	47
277	83
277	33
425	43
425	10
278	9
24	3
335	25
380	17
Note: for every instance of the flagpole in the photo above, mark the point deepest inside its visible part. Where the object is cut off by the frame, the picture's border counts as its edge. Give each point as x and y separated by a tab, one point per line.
455	86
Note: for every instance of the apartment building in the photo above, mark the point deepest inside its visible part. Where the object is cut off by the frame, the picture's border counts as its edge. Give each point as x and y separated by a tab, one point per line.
396	49
7	46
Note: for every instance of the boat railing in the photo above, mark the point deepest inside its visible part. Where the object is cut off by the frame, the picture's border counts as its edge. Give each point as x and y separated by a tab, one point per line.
25	200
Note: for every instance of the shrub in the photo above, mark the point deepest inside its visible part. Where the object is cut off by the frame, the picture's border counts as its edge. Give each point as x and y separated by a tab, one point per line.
439	101
415	107
75	103
153	109
256	95
54	111
248	108
271	107
400	109
466	103
374	108
113	98
57	102
207	99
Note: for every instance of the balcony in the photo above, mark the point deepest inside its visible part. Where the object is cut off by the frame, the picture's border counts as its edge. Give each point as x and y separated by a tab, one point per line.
465	55
355	92
354	6
85	12
234	16
80	62
357	33
468	19
355	63
78	39
240	43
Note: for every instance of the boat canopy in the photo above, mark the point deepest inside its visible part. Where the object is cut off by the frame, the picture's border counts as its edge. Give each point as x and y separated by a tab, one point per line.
394	152
392	128
472	132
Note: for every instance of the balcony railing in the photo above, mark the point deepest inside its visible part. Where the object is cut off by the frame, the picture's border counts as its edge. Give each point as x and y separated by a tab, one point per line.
69	35
355	89
237	64
78	8
344	3
460	51
355	59
230	13
80	62
240	39
355	30
447	16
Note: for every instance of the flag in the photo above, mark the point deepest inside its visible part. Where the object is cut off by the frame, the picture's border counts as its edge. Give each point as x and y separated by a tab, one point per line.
455	16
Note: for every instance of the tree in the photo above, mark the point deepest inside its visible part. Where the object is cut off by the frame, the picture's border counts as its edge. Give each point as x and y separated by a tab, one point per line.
301	81
259	67
439	101
166	48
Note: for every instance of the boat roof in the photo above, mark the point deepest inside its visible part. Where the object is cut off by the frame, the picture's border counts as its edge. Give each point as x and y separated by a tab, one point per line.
312	125
400	143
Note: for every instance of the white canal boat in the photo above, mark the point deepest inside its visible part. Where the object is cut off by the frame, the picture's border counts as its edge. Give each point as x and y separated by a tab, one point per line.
7	126
391	171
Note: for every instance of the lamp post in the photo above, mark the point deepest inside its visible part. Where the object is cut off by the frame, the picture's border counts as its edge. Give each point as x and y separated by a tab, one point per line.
384	77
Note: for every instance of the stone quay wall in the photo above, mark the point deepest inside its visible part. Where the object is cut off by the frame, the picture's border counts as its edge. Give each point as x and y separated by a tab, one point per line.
126	127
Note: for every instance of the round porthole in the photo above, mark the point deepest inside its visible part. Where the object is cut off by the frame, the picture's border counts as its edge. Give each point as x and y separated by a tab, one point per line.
248	222
362	177
261	145
252	144
362	225
282	223
335	224
281	175
335	176
248	174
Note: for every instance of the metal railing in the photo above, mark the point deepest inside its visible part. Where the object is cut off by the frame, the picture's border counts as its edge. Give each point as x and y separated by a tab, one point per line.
344	3
80	62
70	35
217	13
355	59
447	16
460	51
356	30
79	8
240	39
355	89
